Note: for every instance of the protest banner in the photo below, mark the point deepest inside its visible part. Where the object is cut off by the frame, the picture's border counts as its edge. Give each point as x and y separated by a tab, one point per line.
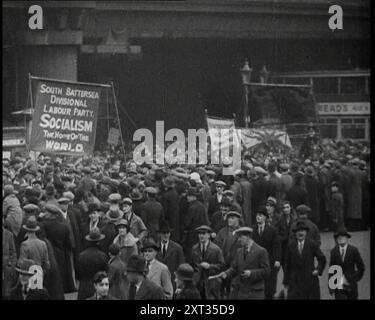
65	116
253	137
113	136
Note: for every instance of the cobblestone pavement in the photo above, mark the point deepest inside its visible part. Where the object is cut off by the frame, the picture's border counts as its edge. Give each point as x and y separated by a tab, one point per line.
359	239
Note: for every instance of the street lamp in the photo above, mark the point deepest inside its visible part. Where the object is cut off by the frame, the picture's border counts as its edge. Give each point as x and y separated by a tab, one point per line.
246	77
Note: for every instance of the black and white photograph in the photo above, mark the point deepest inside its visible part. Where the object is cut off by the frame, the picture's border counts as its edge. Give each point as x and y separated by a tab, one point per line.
186	150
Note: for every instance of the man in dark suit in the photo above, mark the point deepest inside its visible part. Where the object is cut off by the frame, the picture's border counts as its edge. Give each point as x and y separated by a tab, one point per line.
266	236
249	269
207	260
169	201
171	253
217	198
90	261
140	288
195	217
300	275
152	213
349	259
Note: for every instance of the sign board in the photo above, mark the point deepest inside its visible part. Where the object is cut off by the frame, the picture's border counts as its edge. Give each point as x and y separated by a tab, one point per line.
13	142
6	154
252	137
343	108
65	117
113	136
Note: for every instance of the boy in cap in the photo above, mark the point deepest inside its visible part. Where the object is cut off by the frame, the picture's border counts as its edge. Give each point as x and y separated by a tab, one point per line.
249	268
136	224
218	220
217	198
207	260
349	259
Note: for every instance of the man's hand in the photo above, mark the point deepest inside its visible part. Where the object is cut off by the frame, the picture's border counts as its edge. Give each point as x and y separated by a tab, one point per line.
315	273
277	264
246	273
205	265
223	275
213	235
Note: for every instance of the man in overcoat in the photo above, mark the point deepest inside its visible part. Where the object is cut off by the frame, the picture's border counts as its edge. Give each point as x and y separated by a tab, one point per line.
90	261
300	275
266	236
207	260
349	259
249	269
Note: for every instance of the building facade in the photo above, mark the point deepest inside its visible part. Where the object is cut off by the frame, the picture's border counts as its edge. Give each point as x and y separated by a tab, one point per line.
172	60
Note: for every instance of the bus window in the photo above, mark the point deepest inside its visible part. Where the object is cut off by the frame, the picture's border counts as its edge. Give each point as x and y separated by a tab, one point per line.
325	85
353	85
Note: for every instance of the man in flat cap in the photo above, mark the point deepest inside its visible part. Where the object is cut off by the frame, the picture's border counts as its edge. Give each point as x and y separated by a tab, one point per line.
217	198
207	260
136	224
227	240
249	269
349	259
301	275
230	195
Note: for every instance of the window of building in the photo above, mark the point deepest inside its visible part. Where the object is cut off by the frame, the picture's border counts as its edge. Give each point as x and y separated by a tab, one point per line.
328	128
353	132
353	85
326	85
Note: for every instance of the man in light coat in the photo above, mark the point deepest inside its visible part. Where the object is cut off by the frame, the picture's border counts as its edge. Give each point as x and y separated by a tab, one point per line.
157	272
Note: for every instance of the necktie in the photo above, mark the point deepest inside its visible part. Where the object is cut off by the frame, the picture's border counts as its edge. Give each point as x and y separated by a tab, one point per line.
132	290
148	266
260	231
163	251
342	254
300	248
24	290
203	250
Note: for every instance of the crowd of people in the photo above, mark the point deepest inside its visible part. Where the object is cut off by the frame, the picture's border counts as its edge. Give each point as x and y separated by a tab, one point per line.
110	229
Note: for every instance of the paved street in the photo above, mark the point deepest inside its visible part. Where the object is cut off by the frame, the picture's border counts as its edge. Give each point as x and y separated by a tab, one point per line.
359	239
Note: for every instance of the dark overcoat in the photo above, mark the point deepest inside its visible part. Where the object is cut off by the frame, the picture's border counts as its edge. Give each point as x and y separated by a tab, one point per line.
90	261
302	284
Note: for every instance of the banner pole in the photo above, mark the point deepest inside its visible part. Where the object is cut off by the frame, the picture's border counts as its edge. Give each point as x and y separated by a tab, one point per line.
118	118
30	95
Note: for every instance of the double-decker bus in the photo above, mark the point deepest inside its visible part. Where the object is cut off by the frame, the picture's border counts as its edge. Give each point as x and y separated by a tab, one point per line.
342	101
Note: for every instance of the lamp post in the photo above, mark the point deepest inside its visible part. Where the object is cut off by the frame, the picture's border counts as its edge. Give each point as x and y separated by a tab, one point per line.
246	76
